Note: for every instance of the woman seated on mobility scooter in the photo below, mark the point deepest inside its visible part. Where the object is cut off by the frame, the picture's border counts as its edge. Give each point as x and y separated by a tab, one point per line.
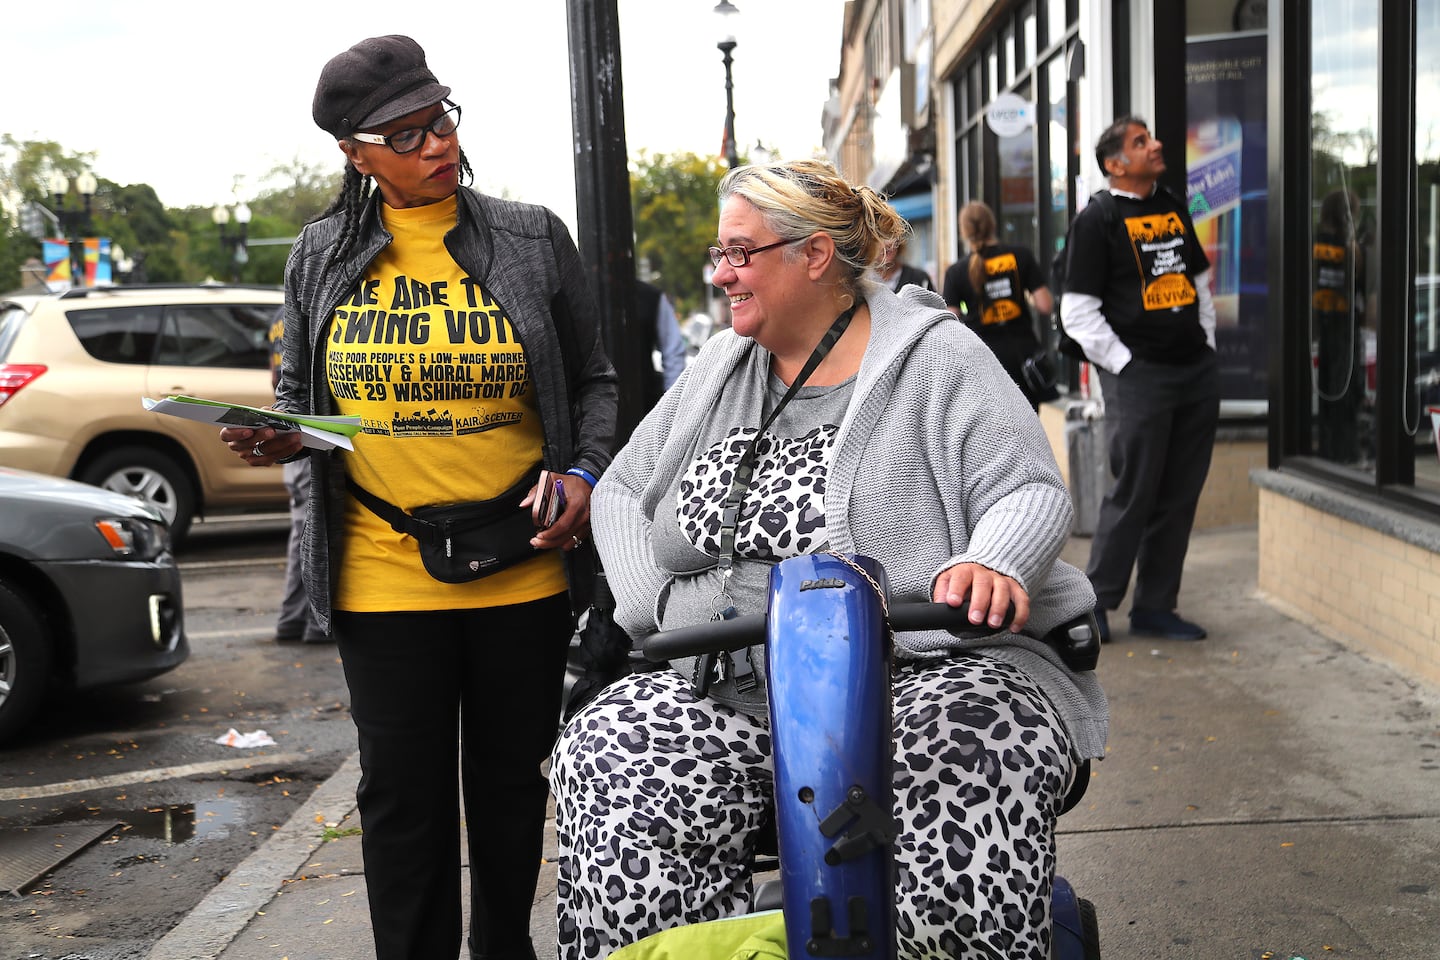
905	441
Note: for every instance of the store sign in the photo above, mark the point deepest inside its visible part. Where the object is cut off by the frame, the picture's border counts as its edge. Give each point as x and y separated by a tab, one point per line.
1009	115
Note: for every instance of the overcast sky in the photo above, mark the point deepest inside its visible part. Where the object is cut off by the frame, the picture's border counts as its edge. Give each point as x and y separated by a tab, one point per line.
187	96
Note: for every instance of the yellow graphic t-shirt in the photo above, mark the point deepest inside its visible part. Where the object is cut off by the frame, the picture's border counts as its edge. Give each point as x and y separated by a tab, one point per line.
434	369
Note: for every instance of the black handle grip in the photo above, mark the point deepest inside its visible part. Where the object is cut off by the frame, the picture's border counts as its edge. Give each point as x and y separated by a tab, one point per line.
924	615
716	635
712	636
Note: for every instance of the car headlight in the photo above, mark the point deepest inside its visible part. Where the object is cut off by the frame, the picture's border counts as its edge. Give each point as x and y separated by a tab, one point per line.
134	538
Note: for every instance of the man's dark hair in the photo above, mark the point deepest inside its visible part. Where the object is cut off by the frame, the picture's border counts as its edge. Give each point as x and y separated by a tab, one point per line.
1112	141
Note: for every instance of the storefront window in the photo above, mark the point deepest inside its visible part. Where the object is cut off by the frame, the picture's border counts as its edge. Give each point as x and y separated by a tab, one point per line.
1016	217
992	75
1344	311
1007	54
1226	162
1055	21
1423	411
1059	168
1027	21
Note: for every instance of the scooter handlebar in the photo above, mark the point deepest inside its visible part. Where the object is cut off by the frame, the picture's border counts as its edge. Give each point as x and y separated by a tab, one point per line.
715	636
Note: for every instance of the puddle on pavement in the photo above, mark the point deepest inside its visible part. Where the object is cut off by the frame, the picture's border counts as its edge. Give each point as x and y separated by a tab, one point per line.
176	823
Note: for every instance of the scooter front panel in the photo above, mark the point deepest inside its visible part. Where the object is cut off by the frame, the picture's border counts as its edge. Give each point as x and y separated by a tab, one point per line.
828	659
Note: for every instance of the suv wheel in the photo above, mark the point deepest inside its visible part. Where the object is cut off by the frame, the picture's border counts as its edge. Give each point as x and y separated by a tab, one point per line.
150	476
24	661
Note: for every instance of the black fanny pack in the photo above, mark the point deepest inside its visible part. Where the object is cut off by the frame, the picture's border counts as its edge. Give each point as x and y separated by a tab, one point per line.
461	542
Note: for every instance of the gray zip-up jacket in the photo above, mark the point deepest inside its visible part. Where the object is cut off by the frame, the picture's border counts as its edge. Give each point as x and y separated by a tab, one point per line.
939	460
524	258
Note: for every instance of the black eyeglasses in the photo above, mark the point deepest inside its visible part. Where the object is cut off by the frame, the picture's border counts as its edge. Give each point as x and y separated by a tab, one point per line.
738	256
410	139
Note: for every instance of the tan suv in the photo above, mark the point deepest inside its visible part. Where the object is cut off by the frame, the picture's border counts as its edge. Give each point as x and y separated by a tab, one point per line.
74	366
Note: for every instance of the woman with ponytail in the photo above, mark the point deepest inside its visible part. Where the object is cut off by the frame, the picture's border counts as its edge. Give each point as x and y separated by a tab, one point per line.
992	290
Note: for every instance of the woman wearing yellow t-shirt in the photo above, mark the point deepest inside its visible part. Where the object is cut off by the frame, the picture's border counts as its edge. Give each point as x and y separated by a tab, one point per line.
459	328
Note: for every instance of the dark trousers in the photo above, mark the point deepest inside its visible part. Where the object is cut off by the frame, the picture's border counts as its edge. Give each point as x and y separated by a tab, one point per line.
1160	420
296	620
490	679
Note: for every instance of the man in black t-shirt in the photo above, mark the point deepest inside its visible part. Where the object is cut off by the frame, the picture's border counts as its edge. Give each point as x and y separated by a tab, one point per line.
1137	299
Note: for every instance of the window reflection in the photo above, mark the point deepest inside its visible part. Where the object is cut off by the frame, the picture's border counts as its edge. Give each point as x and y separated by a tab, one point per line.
1344	310
1423	412
1027	26
1016	155
1059	169
1055	21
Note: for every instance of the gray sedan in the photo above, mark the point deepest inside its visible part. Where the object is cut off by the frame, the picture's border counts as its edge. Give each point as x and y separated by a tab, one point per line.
89	593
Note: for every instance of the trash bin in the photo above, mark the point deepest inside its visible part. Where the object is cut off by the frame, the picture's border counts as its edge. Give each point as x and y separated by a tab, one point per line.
1090	478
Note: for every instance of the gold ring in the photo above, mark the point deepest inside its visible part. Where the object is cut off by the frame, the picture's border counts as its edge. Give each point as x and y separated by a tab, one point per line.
257	452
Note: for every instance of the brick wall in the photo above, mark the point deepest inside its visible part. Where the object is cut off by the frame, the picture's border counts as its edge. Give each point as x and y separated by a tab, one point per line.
1372	591
1229	498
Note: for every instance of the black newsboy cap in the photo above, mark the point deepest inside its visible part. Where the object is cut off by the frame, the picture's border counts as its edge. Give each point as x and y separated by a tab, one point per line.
372	83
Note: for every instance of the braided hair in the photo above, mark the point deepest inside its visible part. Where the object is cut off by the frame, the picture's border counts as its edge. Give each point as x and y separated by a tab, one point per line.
355	190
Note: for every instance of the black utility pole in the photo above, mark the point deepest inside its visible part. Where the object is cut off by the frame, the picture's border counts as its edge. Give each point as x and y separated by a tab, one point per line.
602	198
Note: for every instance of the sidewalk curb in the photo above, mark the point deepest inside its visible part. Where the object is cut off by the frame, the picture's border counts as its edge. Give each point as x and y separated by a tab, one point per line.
227	909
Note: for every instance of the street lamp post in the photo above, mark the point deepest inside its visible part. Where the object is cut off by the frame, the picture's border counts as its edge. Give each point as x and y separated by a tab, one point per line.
234	242
74	223
727	47
120	263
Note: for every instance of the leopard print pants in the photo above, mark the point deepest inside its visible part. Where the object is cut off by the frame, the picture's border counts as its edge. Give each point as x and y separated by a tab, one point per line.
658	798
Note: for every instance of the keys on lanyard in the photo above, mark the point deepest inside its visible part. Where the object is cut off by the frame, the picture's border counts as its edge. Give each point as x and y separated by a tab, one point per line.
710	667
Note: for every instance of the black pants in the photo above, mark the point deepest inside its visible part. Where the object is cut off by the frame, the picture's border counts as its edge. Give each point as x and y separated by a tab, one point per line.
1160	421
490	679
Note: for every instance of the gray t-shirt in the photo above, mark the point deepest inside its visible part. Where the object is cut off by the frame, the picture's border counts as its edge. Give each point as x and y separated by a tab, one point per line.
782	515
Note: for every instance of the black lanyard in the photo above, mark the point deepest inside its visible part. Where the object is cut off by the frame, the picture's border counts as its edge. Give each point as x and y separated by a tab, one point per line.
711	666
745	468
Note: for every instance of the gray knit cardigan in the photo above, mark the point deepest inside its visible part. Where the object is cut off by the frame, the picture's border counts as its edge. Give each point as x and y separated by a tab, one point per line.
939	460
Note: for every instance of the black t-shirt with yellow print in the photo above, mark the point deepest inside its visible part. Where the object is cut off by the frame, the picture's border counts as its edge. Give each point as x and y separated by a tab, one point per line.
1143	269
433	367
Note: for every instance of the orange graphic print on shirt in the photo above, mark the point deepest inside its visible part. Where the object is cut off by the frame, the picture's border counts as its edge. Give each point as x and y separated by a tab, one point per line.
1330	279
1000	306
1159	244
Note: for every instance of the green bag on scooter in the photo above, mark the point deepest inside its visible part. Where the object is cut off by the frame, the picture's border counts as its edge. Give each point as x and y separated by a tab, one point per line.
756	936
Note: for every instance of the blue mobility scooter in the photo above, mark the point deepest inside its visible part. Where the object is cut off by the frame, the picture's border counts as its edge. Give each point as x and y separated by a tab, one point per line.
827	636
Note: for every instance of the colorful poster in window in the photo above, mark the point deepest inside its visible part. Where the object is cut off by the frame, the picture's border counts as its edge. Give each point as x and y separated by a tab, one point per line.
1226	164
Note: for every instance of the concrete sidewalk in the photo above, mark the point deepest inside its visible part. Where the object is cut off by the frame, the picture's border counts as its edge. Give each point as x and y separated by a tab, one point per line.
1268	793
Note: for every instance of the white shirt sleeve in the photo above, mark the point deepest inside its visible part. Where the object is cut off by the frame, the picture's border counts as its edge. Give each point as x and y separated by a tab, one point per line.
1206	305
1086	325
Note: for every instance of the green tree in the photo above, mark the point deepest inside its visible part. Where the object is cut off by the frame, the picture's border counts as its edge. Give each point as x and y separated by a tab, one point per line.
673	202
15	249
298	192
134	217
168	244
25	168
